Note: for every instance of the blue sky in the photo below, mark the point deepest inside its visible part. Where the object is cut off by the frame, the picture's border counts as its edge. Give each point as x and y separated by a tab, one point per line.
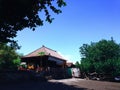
81	21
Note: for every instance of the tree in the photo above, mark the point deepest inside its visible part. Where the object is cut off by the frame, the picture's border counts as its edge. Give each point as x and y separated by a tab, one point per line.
101	57
9	59
77	64
15	15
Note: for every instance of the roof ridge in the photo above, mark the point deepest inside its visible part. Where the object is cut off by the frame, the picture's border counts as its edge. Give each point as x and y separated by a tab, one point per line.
49	48
40	48
44	49
33	51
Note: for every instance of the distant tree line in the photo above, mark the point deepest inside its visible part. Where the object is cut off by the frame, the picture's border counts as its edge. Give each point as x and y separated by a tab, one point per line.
102	57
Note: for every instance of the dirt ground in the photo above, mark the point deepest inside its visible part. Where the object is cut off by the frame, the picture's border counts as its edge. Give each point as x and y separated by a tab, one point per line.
90	84
64	84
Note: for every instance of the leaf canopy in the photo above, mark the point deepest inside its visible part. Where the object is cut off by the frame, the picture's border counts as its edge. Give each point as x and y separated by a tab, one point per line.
15	15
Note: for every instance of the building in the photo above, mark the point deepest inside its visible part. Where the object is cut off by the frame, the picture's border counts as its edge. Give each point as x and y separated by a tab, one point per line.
44	58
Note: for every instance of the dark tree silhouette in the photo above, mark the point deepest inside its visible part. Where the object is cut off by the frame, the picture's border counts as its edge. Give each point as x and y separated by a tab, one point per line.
15	15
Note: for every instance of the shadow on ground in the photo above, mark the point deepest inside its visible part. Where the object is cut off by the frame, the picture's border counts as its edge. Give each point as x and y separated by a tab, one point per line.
38	85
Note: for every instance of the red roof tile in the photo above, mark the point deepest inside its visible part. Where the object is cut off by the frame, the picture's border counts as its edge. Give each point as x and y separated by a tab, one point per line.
45	51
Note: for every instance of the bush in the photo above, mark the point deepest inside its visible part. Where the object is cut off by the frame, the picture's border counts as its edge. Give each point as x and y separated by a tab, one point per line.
9	59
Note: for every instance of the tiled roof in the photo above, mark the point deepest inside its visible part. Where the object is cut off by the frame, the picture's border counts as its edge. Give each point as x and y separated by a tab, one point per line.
45	51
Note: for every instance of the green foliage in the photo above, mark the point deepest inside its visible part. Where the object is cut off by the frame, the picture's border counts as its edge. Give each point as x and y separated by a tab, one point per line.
9	59
77	64
15	15
41	53
116	71
86	66
101	57
17	61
